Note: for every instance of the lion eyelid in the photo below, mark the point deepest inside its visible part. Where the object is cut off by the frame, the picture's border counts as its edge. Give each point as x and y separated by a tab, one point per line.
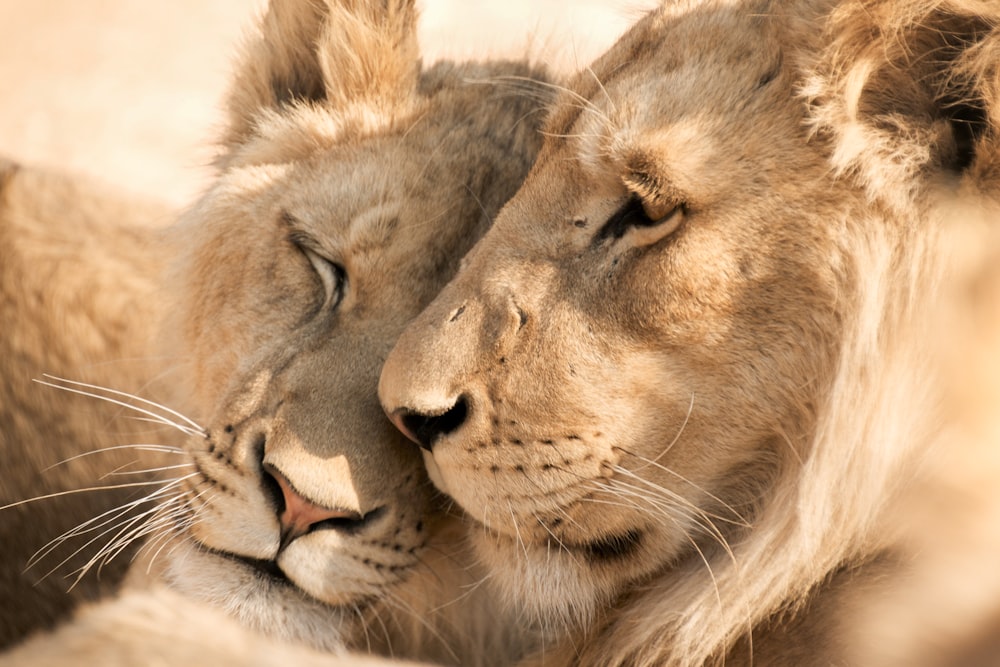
330	273
633	217
665	226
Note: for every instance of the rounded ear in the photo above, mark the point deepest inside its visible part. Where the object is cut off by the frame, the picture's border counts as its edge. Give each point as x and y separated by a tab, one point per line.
334	52
909	92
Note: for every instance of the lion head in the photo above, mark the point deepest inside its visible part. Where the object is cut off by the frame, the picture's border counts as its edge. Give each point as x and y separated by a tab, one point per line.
675	384
350	184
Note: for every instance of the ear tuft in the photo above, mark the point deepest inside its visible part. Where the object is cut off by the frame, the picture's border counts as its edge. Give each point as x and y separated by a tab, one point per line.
908	91
369	52
330	52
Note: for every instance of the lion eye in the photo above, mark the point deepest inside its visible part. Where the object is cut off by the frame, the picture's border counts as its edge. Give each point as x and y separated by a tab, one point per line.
644	223
331	274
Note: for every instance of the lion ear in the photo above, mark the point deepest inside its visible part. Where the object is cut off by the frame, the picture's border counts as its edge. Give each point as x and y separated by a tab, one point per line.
910	92
333	52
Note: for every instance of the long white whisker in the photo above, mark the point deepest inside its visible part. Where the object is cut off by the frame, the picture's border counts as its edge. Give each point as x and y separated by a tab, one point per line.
95	523
741	519
160	419
738	521
58	494
130	531
163	449
670	507
164	539
600	84
115	392
161	518
364	626
585	103
676	437
145	471
124	527
517	531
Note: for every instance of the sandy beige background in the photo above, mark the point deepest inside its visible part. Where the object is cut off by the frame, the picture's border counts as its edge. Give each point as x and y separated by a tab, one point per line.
129	90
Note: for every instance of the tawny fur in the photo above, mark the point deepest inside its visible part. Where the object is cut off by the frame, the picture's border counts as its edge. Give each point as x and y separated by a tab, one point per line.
79	273
351	182
687	377
166	628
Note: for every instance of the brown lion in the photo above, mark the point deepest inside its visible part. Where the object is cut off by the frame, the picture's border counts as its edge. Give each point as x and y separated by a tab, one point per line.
350	183
681	386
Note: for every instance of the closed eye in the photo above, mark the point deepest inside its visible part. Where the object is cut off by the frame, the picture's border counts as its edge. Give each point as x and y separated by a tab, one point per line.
331	274
633	217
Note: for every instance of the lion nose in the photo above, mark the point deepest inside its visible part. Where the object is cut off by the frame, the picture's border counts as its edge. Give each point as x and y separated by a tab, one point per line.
425	429
297	515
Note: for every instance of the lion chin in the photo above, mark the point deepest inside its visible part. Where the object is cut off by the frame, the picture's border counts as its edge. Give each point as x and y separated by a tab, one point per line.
689	382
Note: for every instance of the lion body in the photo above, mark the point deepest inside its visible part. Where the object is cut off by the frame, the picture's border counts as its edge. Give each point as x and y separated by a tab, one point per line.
79	271
350	183
682	384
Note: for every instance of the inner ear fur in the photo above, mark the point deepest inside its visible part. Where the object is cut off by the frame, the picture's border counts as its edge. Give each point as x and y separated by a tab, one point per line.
909	89
333	52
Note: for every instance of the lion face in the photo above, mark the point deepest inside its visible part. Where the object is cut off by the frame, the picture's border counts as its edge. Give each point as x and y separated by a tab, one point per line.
610	380
332	224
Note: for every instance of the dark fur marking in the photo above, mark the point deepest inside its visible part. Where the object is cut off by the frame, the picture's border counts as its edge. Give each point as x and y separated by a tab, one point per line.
614	547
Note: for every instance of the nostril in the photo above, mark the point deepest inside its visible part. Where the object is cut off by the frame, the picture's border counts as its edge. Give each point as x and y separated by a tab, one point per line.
297	515
272	489
426	429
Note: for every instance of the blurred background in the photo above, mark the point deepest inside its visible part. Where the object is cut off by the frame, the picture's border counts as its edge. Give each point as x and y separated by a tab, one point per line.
129	90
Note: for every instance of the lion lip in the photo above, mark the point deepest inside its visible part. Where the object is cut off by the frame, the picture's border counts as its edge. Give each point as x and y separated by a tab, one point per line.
266	568
614	547
604	549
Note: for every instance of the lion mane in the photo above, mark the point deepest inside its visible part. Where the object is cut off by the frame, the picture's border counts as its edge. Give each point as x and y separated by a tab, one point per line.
688	387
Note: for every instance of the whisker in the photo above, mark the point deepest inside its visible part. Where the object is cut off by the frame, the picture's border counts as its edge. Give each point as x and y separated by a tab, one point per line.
364	625
131	531
96	523
741	520
585	104
161	542
160	419
667	493
600	84
124	527
108	487
115	392
162	449
120	471
469	590
517	531
670	509
557	539
673	442
155	521
402	605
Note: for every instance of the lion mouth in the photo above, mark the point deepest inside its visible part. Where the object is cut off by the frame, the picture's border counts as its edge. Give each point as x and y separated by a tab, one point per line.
613	547
267	569
604	549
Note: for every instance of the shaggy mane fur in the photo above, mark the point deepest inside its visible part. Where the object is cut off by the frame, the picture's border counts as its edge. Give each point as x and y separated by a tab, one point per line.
901	102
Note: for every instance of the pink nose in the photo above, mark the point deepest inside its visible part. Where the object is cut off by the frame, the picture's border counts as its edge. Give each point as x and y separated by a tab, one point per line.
299	515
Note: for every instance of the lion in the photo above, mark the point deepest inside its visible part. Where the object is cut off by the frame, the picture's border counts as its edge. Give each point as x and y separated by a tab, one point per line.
350	182
682	385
